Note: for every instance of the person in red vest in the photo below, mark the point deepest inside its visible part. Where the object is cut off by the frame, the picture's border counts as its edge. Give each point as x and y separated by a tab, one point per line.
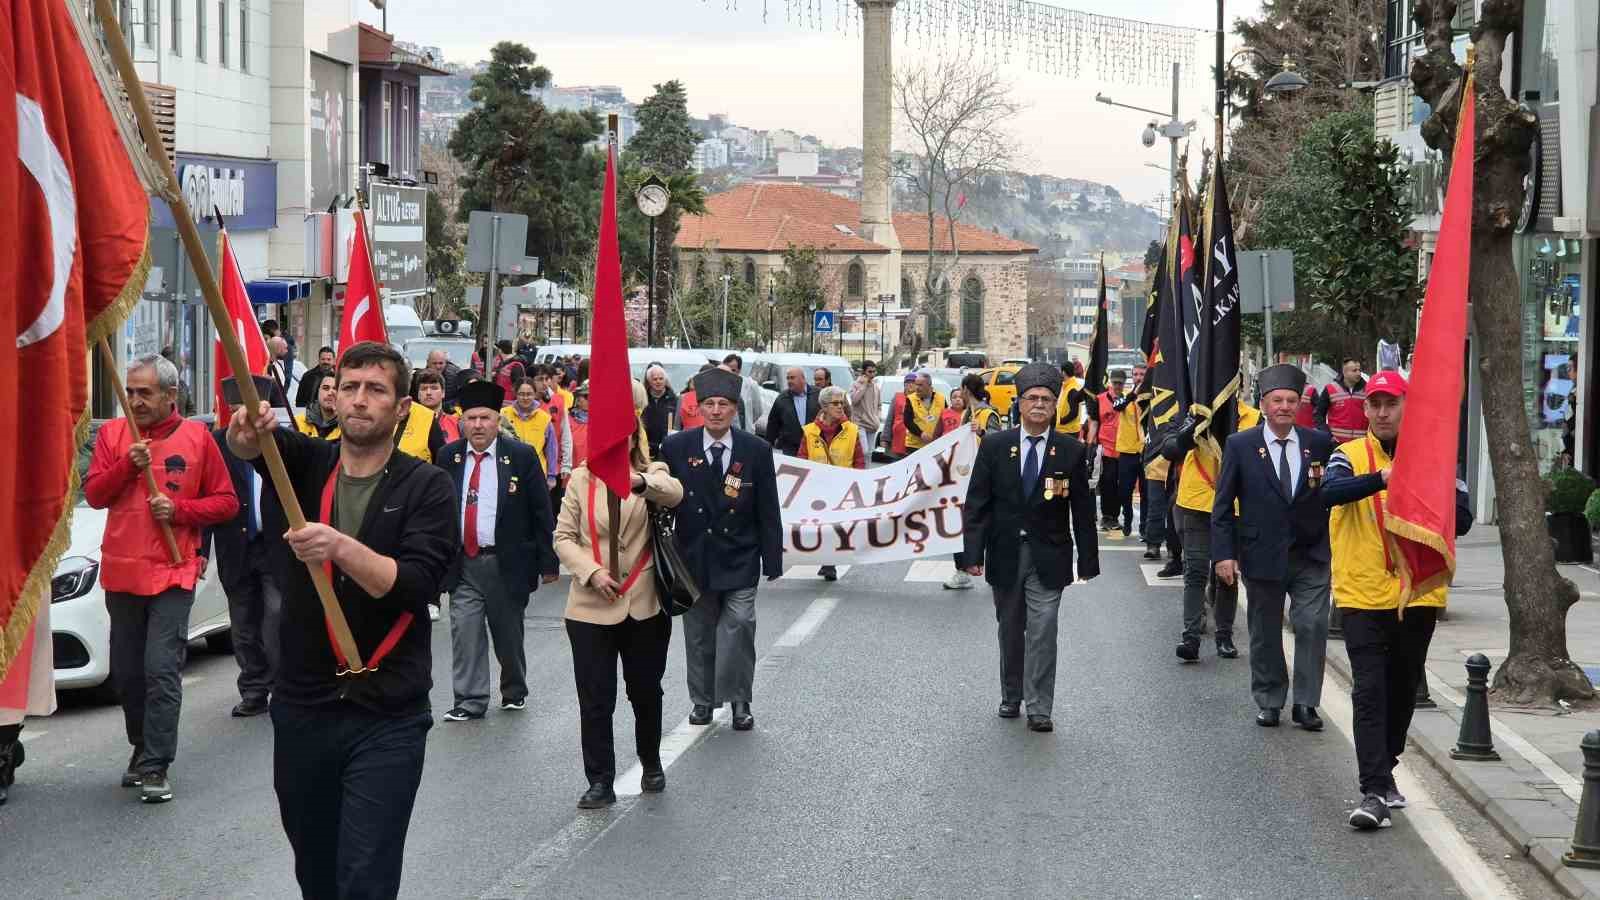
689	404
1107	417
580	426
1305	414
148	596
427	388
897	418
1340	405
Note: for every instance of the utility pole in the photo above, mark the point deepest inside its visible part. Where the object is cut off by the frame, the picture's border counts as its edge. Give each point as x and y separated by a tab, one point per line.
726	280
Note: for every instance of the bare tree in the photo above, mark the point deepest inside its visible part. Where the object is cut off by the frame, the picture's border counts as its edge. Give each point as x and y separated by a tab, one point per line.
1047	305
1538	667
953	114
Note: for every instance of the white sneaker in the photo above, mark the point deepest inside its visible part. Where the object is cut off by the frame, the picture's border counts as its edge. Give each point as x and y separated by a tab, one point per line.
960	581
433	613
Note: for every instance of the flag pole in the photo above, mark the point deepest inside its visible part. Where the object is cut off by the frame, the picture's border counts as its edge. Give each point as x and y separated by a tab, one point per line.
172	193
110	360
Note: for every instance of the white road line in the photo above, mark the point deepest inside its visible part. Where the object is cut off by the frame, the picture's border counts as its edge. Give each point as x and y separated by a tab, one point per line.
679	741
1150	570
192	679
1125	548
1569	783
1470	872
810	573
31	735
930	571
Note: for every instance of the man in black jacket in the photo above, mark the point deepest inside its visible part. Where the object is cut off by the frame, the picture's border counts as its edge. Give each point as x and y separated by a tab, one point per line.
1028	507
246	553
730	532
348	748
791	412
305	393
659	405
505	552
1278	544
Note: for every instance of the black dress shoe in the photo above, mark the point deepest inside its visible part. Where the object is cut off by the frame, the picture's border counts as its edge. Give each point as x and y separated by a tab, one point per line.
250	706
598	796
1040	723
1152	553
1189	650
1267	718
700	714
1009	709
743	720
828	573
653	782
1225	647
1173	569
1306	717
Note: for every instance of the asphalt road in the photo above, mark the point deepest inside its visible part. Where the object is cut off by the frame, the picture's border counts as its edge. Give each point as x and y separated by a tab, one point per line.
877	768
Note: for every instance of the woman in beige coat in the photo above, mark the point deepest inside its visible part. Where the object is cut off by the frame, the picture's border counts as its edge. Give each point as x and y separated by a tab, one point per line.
612	614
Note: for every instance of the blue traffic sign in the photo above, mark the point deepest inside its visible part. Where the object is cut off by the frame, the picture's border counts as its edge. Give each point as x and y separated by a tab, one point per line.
822	323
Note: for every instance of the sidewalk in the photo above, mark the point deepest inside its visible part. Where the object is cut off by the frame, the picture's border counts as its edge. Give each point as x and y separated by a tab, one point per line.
1532	794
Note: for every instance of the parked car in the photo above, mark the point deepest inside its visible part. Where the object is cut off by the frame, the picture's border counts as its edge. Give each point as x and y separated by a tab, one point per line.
770	369
892	386
1002	383
548	353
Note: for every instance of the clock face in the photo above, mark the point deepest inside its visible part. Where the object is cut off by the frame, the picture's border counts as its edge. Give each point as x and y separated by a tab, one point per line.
652	200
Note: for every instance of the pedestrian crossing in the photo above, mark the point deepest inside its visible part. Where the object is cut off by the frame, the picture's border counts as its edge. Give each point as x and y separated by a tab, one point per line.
938	571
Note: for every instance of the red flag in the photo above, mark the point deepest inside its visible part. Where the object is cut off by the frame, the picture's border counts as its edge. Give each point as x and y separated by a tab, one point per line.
1422	487
237	299
363	306
611	418
75	217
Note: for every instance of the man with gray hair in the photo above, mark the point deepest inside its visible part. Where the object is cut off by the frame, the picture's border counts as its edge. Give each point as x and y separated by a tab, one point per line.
659	404
148	595
286	370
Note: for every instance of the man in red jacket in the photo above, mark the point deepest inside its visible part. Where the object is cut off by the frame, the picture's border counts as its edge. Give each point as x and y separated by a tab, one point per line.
147	596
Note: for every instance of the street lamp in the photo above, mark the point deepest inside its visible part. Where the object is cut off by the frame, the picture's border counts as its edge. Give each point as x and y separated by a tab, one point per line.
726	281
772	312
1173	130
652	198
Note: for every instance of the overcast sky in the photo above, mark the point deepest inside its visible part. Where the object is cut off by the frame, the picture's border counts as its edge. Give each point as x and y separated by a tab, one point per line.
778	74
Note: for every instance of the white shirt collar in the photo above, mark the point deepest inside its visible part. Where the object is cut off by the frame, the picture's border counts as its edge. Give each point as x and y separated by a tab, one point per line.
1272	439
489	449
707	440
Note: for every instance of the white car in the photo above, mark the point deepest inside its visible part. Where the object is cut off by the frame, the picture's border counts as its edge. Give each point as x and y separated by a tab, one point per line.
80	628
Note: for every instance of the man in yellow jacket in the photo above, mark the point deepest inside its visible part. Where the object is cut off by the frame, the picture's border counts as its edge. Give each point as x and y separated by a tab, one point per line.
1387	645
1197	487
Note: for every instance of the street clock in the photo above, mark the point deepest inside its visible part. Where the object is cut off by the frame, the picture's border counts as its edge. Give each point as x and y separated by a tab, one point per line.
653	197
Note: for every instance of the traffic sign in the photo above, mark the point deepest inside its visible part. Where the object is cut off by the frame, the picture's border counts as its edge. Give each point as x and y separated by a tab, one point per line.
822	321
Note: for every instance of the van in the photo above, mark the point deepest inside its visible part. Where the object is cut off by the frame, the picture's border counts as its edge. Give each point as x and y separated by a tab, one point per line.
402	323
770	369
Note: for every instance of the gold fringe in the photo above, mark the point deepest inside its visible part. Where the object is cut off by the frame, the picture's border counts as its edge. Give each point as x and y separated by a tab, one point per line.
37	584
1411	531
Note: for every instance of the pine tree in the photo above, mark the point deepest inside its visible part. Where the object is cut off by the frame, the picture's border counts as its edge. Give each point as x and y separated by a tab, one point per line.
666	140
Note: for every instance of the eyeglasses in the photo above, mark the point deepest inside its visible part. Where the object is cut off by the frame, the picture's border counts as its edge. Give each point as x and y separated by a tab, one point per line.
1040	400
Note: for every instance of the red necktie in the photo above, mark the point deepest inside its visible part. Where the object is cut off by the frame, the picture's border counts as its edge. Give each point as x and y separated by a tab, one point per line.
470	529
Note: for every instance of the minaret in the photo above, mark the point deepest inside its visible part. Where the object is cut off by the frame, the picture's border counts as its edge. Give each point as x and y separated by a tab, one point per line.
877	110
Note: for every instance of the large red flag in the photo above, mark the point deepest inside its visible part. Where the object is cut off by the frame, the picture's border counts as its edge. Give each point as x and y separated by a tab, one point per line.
1422	485
237	299
363	306
611	418
75	216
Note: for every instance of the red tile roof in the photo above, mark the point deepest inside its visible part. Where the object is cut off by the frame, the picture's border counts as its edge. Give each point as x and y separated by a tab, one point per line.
767	218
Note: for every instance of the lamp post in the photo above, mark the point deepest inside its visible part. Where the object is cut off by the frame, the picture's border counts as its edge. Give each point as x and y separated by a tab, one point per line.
726	281
816	304
1174	130
772	312
652	198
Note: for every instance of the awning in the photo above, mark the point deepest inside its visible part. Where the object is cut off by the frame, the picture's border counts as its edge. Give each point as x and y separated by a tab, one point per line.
278	290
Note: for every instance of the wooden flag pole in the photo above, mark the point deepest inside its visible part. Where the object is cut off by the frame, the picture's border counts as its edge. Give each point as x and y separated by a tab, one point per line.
110	360
172	193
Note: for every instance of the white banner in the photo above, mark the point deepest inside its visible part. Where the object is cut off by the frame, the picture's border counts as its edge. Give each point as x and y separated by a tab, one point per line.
909	509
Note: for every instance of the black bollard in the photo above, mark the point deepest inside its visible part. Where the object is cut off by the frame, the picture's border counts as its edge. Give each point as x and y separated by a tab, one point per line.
1475	742
1585	852
1423	700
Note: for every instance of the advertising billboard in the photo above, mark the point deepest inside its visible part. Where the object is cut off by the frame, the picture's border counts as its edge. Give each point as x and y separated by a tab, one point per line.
399	236
327	118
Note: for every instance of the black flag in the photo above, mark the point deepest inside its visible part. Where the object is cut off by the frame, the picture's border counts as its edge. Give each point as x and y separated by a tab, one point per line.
1216	379
1094	378
1168	358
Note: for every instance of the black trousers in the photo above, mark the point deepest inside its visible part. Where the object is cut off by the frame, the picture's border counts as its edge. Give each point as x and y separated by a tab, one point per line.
642	645
346	779
1387	655
1110	493
1130	475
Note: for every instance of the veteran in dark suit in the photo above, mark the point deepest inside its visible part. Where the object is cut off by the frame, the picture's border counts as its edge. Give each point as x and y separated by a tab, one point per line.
1028	508
247	554
505	549
794	409
730	533
1278	545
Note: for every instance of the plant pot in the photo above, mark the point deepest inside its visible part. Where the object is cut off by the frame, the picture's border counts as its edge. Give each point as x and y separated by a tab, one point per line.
1570	531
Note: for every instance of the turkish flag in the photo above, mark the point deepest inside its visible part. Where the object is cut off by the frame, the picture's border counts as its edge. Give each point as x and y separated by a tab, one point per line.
237	299
75	218
611	418
363	306
1422	486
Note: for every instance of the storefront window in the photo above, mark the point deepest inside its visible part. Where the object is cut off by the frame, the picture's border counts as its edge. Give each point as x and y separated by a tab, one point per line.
1551	331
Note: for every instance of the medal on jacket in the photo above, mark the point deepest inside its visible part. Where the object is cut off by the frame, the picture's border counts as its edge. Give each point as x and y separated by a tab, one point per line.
731	484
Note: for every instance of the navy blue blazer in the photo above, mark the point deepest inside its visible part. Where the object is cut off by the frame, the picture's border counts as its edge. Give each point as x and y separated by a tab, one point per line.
727	542
1270	524
996	515
523	523
228	543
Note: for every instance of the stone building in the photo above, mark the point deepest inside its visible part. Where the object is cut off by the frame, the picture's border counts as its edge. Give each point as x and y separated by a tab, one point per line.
986	306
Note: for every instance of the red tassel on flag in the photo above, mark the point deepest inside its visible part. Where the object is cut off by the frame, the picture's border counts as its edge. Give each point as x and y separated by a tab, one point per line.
1422	486
611	417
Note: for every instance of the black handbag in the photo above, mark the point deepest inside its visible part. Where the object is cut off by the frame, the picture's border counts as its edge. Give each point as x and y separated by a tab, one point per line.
675	585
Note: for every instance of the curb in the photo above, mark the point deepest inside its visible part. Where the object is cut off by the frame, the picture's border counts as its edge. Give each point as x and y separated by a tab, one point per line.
1528	824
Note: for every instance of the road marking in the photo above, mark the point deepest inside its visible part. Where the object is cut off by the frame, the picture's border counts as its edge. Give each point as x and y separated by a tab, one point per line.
1125	548
811	573
31	735
188	680
1150	570
1569	783
930	571
1471	873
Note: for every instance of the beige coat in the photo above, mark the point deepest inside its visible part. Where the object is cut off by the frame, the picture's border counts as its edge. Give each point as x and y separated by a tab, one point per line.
585	604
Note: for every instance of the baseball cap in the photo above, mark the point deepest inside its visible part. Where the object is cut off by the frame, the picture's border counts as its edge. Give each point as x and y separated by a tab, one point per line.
1387	382
910	377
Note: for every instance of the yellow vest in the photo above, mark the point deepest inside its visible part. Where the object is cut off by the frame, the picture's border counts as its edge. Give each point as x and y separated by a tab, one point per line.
1129	438
414	438
530	431
927	419
1074	425
841	451
983	416
1197	483
309	430
565	395
1361	575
